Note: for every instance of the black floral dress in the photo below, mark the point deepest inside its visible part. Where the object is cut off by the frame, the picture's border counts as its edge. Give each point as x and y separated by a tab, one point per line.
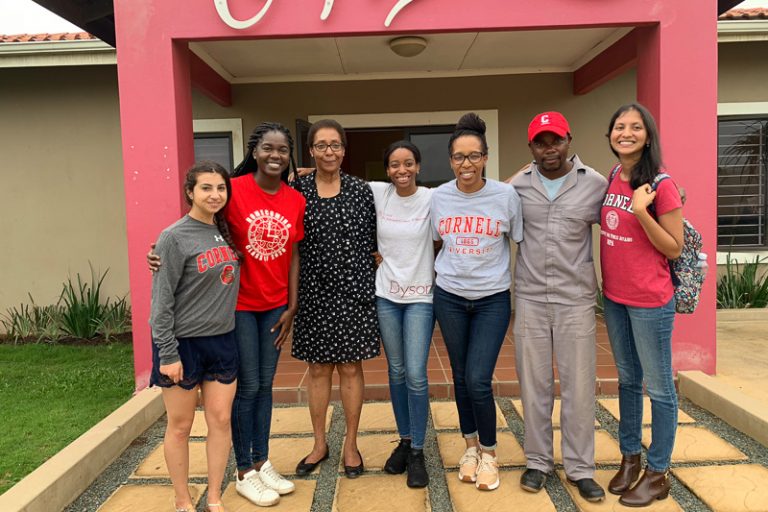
336	321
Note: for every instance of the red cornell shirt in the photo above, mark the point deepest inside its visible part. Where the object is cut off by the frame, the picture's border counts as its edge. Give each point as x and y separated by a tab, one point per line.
264	227
634	272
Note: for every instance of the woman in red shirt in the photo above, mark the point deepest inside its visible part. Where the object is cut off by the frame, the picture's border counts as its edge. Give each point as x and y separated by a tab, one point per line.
641	230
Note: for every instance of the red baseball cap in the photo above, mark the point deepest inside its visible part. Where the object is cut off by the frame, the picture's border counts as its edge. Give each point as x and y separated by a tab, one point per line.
553	122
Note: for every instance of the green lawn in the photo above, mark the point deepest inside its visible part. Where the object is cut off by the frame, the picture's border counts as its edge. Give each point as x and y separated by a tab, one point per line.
51	394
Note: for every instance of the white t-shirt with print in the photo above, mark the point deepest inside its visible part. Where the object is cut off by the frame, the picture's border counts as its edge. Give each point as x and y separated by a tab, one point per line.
403	230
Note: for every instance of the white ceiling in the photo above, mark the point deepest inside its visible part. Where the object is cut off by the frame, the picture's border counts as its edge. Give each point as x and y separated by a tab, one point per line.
369	57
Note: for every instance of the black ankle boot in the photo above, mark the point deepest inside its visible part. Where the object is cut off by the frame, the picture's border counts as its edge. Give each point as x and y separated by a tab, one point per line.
417	469
397	462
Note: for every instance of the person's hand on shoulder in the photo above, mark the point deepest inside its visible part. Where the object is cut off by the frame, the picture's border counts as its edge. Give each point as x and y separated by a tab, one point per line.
153	259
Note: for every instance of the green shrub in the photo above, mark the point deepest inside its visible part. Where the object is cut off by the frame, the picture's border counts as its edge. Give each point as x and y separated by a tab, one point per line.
741	286
80	312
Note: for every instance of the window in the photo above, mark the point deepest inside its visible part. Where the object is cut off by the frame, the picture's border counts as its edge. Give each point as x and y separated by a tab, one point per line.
216	147
742	178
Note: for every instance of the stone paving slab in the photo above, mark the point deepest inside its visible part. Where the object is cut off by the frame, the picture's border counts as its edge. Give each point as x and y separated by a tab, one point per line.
299	500
377	417
509	496
285	420
376	493
452	447
445	416
731	488
286	452
375	449
697	444
153	498
295	420
518	405
611	502
606	448
154	465
612	406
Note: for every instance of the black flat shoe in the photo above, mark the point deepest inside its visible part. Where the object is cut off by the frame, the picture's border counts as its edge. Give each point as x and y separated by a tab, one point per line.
303	468
354	471
589	489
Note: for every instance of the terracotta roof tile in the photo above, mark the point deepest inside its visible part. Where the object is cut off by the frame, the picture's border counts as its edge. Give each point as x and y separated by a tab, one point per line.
757	13
33	38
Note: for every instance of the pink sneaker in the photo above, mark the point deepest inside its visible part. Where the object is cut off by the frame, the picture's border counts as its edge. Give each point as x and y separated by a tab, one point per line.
487	473
468	465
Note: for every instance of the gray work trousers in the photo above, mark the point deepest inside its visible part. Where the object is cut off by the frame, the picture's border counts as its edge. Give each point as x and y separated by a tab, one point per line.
568	333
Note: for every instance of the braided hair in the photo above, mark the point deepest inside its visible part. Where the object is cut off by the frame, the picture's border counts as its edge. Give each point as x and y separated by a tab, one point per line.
249	165
218	218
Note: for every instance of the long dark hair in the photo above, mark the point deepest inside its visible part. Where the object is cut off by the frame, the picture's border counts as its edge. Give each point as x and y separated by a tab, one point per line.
190	181
469	124
650	162
401	144
249	164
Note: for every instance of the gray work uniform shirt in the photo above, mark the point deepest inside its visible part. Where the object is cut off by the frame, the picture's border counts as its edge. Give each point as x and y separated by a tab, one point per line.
554	260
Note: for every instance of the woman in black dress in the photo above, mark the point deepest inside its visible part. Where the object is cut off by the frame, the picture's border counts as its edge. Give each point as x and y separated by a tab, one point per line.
336	325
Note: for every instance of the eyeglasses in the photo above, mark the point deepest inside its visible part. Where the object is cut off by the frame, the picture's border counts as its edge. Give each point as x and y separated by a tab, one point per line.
474	158
408	164
554	144
322	146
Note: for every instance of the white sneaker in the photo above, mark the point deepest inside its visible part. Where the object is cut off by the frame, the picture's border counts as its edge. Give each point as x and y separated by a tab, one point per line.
468	465
253	489
274	480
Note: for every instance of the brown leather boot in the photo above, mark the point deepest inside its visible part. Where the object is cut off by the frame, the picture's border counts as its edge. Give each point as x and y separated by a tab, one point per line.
627	474
651	486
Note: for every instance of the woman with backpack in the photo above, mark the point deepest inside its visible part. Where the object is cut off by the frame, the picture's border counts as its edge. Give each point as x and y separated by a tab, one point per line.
641	230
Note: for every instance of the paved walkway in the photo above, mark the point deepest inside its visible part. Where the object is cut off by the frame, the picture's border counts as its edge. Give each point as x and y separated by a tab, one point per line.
291	378
714	467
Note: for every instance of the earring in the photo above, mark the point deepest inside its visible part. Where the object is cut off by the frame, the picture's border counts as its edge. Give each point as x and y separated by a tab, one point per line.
647	144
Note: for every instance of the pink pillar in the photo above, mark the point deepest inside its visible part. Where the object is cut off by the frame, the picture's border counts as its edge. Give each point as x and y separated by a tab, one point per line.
677	81
156	122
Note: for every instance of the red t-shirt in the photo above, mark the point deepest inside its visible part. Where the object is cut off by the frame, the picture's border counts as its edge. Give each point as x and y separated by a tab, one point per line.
264	228
634	272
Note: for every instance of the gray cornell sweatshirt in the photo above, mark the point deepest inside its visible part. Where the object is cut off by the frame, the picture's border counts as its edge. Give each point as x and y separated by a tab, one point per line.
195	291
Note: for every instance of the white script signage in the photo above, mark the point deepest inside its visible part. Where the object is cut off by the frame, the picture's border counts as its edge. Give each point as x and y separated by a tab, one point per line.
222	7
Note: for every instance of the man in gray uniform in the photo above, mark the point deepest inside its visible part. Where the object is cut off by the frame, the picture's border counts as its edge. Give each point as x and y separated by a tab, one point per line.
555	290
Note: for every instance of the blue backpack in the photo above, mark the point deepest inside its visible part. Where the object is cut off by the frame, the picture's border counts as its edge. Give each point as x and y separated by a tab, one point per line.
687	278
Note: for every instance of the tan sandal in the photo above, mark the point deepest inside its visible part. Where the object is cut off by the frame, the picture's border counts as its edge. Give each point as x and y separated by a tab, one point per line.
217	505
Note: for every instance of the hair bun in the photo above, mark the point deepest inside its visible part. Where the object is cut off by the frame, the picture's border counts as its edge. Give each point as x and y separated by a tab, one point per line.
471	122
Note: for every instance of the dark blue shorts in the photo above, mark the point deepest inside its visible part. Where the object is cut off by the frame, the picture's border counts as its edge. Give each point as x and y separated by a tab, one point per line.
203	358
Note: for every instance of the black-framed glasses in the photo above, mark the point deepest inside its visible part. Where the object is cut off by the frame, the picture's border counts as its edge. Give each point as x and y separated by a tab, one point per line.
474	157
322	146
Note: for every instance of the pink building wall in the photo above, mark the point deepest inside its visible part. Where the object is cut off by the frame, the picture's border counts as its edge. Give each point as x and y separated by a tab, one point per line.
677	77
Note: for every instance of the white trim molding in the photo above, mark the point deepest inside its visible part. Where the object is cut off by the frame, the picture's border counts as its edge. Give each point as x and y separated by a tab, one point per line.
233	126
402	119
742	257
740	31
743	109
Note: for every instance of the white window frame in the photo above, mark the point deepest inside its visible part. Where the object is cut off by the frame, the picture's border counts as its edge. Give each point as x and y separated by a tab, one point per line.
233	126
747	108
402	119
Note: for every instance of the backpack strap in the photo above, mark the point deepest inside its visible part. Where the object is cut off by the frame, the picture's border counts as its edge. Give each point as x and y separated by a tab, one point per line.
654	185
616	169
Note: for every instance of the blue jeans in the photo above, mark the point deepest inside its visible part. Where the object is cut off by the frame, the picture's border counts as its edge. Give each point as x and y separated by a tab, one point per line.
406	330
252	408
473	331
641	340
